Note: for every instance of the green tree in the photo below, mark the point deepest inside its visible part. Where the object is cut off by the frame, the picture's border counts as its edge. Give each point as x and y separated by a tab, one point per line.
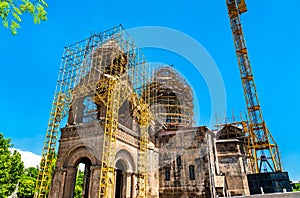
11	167
27	183
12	10
296	187
79	184
53	157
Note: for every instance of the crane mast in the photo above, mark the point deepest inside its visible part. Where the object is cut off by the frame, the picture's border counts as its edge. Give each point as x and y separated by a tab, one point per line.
262	147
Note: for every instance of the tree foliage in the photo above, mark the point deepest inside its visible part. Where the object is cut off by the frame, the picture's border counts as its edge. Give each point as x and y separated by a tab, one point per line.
27	183
296	187
79	184
52	156
11	167
12	10
28	180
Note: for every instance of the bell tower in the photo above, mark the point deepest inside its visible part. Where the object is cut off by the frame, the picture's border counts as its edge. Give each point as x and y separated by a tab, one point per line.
100	98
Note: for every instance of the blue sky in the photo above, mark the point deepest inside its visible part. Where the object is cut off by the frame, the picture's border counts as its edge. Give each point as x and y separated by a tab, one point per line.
30	60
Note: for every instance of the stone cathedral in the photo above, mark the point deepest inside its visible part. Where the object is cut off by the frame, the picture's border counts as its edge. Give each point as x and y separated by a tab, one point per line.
183	160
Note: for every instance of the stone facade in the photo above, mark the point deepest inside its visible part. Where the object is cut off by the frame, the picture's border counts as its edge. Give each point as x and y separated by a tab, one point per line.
231	161
82	143
192	162
184	165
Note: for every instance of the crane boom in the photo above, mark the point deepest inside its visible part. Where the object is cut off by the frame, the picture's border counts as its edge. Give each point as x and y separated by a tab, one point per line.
260	139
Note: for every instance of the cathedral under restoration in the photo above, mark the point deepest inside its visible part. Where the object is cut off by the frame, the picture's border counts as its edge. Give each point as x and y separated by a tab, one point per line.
183	160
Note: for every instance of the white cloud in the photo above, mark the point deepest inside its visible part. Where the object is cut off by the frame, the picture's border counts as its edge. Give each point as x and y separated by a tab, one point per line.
33	160
30	159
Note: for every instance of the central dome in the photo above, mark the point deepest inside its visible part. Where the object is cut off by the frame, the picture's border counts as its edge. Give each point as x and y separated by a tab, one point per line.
173	98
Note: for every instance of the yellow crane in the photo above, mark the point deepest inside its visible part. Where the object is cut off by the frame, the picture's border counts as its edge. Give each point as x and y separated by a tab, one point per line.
262	146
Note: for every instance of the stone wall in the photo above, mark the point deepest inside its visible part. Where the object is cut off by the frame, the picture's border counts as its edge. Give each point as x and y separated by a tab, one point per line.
186	162
83	143
232	161
183	163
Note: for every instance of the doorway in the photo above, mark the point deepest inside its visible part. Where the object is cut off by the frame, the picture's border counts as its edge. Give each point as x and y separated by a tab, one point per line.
119	184
82	181
120	188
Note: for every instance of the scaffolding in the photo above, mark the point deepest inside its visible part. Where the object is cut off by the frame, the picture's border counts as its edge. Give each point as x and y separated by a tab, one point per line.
97	77
171	99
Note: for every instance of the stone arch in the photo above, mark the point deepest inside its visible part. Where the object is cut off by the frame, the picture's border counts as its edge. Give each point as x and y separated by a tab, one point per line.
125	168
121	165
77	155
127	159
74	156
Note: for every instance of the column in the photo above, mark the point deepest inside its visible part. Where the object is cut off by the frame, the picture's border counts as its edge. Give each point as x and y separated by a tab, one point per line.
70	182
94	181
128	184
57	183
134	184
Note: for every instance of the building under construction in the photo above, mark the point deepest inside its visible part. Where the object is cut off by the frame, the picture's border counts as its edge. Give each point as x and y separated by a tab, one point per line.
171	98
132	127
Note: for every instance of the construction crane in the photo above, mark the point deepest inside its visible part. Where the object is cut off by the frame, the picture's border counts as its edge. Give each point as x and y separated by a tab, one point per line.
262	146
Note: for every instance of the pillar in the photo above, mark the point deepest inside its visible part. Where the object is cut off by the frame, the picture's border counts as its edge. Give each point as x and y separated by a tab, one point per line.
128	184
57	183
94	181
70	182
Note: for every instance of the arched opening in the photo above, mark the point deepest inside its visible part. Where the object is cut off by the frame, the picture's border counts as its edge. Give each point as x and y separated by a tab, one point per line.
178	161
82	181
167	173
125	179
90	112
192	172
120	189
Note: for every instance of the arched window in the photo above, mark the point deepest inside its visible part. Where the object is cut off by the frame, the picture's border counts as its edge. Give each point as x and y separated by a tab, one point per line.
167	174
178	161
192	172
90	110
